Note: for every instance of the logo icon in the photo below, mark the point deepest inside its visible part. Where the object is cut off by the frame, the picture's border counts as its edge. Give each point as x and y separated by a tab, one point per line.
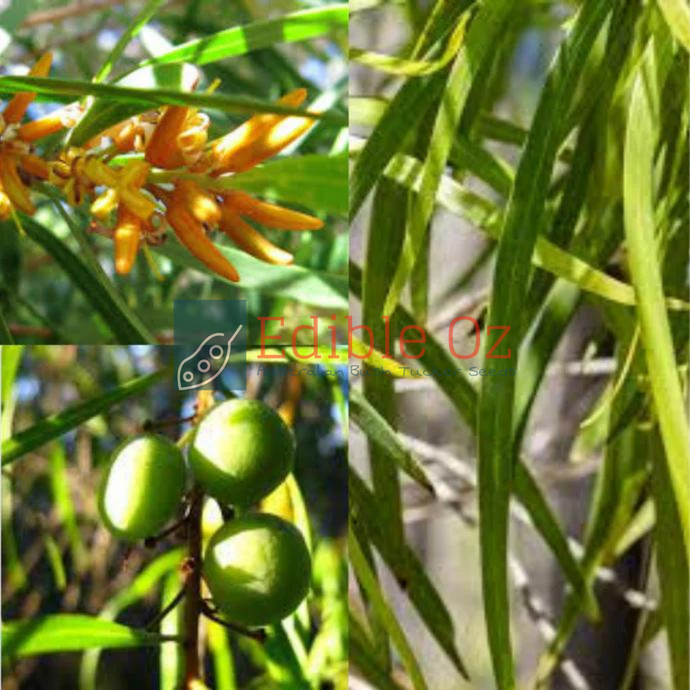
210	344
203	365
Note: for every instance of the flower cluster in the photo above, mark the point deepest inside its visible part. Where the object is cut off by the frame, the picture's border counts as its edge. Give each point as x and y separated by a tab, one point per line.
154	172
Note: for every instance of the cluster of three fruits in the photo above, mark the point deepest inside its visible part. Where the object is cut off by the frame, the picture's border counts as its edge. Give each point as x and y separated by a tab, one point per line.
257	566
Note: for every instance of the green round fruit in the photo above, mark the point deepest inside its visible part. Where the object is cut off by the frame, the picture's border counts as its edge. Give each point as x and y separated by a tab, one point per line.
241	451
258	569
142	487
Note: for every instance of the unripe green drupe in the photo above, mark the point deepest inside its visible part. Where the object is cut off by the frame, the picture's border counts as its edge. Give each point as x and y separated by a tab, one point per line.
241	451
142	487
258	569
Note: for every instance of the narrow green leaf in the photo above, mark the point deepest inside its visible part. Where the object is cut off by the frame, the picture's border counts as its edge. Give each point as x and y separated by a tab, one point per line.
123	323
164	567
377	429
410	67
487	217
463	396
387	617
638	191
406	567
71	633
364	661
132	30
677	15
60	423
523	222
299	26
672	566
64	506
403	115
66	89
478	47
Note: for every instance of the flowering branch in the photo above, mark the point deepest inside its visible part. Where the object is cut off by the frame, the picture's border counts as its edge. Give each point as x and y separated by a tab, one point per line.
153	173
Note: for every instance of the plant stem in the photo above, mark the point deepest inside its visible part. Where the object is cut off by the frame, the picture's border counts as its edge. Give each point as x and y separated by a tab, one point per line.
193	591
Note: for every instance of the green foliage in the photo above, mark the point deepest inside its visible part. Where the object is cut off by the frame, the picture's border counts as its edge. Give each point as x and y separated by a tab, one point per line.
584	213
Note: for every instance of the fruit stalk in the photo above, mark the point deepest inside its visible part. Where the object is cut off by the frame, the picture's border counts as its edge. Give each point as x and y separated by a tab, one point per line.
193	591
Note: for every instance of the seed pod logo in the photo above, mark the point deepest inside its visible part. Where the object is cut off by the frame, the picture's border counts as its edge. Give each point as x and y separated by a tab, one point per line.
197	363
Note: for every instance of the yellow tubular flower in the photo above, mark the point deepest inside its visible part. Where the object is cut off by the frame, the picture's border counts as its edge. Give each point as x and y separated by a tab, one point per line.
13	186
245	141
16	108
201	204
104	204
192	235
127	238
270	215
163	151
124	185
251	241
131	179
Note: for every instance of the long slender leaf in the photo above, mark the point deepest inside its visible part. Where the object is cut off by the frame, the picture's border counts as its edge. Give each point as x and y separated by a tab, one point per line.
379	432
673	567
60	423
406	567
479	43
66	89
656	332
239	40
71	633
370	585
146	13
123	323
523	221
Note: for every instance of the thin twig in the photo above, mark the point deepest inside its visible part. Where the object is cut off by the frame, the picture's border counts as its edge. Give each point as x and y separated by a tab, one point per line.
259	635
193	591
168	609
59	14
151	542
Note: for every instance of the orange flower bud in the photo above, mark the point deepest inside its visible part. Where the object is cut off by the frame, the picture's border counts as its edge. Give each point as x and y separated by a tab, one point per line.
16	108
35	165
13	185
45	126
191	234
201	203
270	215
163	151
251	241
248	137
127	238
282	134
